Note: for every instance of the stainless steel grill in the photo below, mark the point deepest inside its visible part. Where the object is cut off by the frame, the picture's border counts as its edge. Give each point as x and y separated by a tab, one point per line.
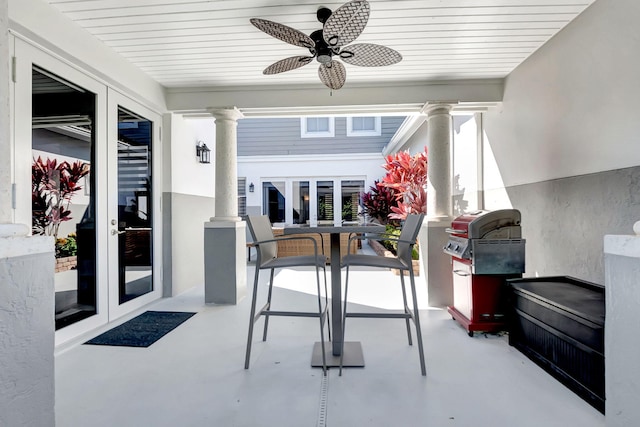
486	247
490	240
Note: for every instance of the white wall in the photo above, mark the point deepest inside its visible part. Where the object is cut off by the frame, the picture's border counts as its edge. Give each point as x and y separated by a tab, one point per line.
571	108
621	338
27	389
188	201
6	215
566	142
188	176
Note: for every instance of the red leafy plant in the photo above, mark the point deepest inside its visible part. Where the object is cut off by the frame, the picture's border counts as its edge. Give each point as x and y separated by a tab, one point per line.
407	176
53	185
378	201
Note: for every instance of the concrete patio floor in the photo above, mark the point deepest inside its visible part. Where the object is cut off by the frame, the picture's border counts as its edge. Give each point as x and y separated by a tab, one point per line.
194	376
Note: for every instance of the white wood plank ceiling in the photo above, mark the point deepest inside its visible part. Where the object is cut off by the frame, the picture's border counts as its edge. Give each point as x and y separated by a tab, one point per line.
195	43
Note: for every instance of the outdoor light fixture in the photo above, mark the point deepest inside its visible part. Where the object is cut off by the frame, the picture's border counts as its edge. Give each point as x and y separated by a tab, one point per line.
203	152
251	187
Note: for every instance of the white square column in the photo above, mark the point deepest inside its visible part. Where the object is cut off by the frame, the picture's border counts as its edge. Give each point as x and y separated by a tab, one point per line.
622	340
225	262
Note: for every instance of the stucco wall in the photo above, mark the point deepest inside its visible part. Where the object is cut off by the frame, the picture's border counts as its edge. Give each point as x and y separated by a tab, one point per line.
185	215
188	201
570	111
26	331
564	220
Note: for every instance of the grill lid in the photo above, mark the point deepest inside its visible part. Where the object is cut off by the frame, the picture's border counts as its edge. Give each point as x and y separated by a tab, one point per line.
500	224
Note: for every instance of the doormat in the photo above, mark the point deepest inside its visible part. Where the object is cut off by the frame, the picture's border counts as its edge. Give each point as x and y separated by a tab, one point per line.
143	330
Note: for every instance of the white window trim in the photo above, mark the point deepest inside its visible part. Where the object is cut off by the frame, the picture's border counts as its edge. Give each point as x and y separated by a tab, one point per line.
376	132
306	134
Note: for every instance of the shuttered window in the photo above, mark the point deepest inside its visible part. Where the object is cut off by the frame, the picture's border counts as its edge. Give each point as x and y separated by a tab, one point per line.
242	197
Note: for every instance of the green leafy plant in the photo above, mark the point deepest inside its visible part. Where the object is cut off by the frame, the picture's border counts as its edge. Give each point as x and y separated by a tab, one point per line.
347	210
66	246
391	245
53	185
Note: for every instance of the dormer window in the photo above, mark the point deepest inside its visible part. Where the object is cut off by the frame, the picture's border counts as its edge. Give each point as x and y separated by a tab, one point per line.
317	127
364	126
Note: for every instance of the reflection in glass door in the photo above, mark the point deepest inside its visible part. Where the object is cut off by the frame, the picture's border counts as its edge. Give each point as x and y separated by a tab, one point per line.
63	189
351	191
273	201
135	213
325	202
300	202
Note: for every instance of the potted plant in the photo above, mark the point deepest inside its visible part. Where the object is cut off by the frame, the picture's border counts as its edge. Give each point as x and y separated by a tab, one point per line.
401	192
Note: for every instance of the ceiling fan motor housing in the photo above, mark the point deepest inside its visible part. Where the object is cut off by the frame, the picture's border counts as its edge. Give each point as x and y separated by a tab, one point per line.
322	49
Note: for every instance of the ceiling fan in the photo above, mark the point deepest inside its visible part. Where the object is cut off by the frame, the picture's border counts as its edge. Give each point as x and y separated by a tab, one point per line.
339	28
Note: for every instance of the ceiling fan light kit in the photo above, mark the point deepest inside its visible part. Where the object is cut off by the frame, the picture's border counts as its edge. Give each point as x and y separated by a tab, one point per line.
331	43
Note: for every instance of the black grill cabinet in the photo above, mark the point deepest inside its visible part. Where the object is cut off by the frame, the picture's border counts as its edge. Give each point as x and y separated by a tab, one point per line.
558	322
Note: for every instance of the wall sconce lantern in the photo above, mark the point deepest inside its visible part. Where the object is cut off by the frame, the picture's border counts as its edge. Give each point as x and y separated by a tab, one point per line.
251	187
203	152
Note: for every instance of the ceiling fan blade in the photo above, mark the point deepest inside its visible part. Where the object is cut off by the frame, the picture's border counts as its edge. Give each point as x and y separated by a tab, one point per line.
284	33
287	64
369	55
346	23
333	74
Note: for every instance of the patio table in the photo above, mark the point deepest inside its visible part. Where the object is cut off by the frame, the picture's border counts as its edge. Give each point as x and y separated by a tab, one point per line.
353	356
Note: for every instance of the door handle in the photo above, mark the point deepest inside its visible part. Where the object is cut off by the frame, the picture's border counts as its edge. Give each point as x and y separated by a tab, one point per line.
462	273
115	232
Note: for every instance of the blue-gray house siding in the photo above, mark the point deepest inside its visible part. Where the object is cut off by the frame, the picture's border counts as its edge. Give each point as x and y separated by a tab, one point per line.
282	136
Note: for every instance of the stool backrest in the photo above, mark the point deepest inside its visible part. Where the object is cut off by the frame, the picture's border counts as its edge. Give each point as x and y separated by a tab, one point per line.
260	228
409	233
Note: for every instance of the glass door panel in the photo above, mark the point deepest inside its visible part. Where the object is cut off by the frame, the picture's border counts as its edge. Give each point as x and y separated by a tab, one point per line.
133	207
350	204
63	193
135	260
300	202
273	201
325	202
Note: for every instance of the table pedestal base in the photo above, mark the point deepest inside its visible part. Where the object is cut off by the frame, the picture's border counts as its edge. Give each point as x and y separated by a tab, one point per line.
353	356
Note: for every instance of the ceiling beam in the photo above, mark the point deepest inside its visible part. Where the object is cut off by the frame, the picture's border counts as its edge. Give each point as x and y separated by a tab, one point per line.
316	100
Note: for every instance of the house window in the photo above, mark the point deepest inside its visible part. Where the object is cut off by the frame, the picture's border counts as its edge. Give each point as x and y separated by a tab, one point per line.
364	126
317	127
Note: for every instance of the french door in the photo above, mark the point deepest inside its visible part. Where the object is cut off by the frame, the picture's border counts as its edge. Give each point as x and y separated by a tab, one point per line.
133	205
86	172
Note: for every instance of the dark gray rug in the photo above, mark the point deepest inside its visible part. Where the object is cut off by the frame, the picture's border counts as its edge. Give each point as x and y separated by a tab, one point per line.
143	330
